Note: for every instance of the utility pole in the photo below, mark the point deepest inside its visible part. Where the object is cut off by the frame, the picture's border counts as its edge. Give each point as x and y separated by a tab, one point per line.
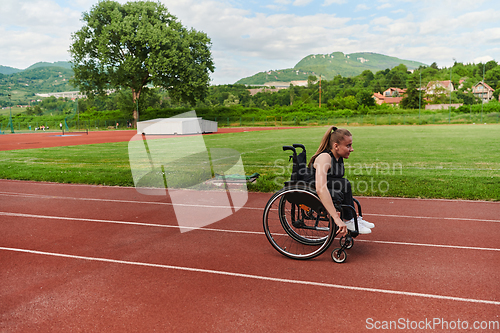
10	117
451	70
320	91
420	94
482	98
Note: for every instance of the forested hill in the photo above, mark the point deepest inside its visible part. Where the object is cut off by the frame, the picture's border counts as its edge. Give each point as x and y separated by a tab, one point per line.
330	65
38	78
10	70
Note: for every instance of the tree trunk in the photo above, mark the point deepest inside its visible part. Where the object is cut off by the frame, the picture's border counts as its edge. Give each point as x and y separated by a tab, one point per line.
135	98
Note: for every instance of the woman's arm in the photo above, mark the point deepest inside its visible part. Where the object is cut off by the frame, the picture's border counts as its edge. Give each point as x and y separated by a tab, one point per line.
322	164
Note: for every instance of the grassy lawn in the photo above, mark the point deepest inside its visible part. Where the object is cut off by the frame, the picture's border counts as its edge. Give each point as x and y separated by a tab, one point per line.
448	161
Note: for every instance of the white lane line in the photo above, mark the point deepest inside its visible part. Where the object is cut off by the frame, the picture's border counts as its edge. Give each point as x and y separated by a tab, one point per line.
257	277
429	217
430	245
228	230
124	222
227	207
118	201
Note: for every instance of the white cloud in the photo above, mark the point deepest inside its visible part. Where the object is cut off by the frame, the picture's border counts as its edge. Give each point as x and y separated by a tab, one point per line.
301	2
246	39
331	2
385	6
361	7
483	59
275	7
35	30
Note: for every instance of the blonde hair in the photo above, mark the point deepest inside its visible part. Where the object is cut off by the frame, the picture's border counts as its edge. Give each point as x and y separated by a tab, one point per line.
332	135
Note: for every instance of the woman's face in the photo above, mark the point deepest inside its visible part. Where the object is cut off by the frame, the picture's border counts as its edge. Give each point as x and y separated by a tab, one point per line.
344	148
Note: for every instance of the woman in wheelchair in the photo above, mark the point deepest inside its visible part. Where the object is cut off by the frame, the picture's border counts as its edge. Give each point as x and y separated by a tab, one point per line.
327	175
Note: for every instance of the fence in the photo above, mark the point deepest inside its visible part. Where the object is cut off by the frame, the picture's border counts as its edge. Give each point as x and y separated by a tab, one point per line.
360	120
268	121
20	125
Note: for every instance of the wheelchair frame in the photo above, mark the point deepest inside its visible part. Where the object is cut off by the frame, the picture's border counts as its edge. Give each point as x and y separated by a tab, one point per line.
295	221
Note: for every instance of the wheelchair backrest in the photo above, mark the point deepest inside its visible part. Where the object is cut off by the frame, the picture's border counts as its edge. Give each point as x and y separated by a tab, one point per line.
300	171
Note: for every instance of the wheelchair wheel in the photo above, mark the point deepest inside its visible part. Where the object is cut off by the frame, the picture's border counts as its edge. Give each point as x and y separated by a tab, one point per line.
296	218
347	242
296	225
339	255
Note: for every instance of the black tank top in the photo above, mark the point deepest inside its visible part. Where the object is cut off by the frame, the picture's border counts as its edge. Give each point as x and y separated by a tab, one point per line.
336	168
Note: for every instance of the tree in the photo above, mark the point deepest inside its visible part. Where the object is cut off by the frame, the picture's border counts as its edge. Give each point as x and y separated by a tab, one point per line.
412	96
365	97
311	80
137	44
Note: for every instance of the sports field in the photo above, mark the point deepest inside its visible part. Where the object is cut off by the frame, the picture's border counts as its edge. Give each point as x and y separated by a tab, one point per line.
94	258
444	161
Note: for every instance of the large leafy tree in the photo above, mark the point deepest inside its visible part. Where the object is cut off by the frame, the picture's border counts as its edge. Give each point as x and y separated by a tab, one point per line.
412	99
139	44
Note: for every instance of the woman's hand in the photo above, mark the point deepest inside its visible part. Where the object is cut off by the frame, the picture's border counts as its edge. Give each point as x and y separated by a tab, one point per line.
342	228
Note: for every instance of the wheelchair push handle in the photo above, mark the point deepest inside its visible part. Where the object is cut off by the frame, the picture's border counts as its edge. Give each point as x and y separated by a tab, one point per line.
298	145
285	148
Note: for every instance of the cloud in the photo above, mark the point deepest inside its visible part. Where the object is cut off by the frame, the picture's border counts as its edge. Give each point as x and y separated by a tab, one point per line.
483	59
35	30
361	7
248	37
331	2
301	2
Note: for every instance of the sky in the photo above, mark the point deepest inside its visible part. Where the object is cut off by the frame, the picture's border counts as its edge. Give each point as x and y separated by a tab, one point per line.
251	36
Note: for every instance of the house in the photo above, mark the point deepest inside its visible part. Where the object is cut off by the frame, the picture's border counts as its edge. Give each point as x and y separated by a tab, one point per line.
394	92
381	99
483	91
440	87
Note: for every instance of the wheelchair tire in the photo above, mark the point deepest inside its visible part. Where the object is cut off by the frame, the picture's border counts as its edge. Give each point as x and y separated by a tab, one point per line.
339	255
347	242
294	228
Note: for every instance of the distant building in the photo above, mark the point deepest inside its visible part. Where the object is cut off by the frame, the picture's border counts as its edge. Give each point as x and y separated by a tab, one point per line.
394	92
483	91
391	96
69	94
65	94
272	87
439	87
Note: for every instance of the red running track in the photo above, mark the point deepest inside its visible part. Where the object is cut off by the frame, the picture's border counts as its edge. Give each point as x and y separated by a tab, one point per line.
56	139
79	258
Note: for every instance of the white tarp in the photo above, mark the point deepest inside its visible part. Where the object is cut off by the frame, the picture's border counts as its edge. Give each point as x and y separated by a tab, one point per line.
180	126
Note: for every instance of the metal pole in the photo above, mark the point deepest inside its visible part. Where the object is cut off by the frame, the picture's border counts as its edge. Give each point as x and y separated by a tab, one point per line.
449	116
78	113
482	98
320	91
420	94
10	118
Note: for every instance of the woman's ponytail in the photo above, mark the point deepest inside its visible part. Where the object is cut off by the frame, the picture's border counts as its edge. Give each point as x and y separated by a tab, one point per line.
332	135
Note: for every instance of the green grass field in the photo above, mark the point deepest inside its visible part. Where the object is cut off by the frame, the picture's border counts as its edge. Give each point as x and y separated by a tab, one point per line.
446	161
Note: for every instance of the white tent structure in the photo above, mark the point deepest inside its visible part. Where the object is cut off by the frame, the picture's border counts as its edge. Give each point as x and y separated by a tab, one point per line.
180	126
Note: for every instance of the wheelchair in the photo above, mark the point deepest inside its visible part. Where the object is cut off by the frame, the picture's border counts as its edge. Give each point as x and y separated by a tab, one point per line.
295	221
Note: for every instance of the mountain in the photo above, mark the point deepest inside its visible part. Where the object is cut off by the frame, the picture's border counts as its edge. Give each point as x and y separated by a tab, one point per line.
6	70
330	65
38	78
63	64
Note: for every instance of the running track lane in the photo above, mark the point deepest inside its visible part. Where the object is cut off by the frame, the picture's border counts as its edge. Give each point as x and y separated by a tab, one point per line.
56	139
93	259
